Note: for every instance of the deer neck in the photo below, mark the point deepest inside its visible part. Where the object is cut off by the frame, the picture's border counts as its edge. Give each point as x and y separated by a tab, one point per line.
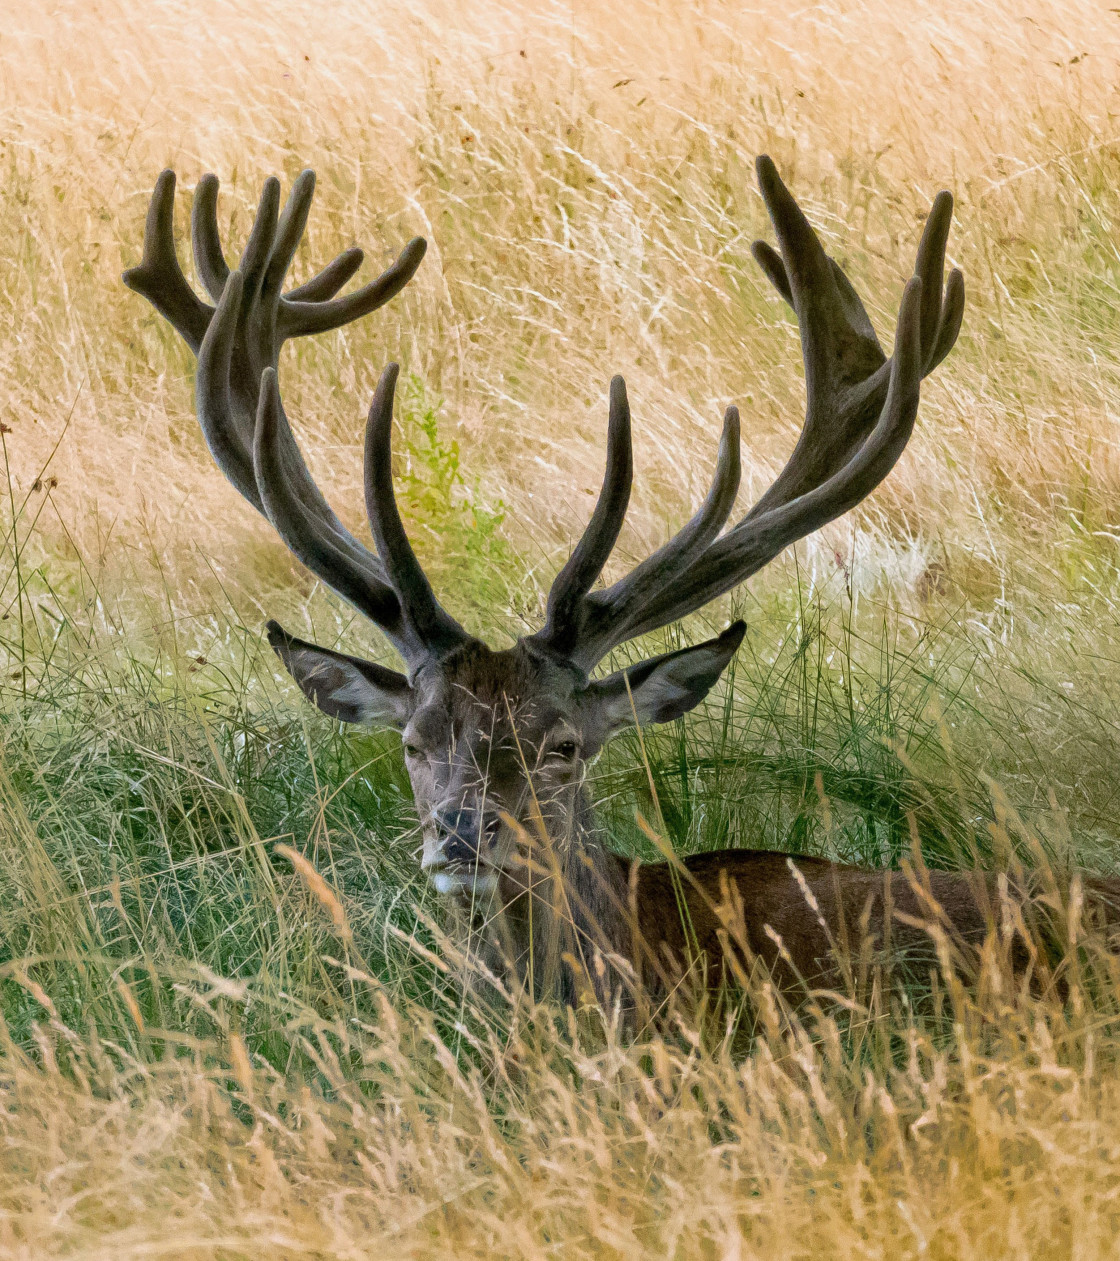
556	924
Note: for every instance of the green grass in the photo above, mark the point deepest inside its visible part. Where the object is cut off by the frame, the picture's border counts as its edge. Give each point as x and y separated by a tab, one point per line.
143	794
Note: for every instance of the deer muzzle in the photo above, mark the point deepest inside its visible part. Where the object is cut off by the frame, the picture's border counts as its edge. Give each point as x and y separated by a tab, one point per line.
459	856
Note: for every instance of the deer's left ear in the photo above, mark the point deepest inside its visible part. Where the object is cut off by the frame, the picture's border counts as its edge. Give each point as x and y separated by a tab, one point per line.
347	688
659	689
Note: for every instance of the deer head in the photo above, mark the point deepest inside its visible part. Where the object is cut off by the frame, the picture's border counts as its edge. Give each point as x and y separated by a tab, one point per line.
494	738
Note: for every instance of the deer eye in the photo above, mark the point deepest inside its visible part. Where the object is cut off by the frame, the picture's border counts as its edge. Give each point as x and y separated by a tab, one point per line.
566	749
413	750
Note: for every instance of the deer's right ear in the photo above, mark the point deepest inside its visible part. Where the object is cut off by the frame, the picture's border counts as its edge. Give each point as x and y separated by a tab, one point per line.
660	689
347	688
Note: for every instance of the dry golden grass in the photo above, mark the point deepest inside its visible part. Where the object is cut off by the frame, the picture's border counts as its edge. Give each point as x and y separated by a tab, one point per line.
985	1128
583	174
584	178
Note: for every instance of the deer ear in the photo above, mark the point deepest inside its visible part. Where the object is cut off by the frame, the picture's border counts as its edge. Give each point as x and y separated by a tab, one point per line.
661	688
347	688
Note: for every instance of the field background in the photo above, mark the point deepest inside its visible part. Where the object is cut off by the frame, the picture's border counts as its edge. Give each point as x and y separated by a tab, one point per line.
204	1053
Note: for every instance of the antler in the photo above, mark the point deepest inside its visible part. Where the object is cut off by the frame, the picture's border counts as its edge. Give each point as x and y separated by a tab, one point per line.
860	412
237	396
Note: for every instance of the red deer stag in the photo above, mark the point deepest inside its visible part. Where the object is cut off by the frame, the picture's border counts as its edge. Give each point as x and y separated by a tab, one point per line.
497	743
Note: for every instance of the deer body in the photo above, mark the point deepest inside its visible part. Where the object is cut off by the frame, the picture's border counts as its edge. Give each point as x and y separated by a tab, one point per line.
716	911
622	930
497	743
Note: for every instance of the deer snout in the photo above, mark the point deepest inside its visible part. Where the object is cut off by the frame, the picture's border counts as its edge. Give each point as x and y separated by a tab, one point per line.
464	837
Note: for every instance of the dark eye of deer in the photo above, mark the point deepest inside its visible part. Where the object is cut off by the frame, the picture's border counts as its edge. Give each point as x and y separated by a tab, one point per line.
413	750
566	749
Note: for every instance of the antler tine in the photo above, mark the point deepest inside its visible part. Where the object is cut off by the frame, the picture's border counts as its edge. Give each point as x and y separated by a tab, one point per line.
605	614
323	551
423	615
257	254
757	540
209	257
564	615
159	278
326	283
929	267
768	258
289	232
298	318
952	316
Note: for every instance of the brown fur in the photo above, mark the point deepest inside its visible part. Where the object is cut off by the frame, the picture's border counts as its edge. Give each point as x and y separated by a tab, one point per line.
616	926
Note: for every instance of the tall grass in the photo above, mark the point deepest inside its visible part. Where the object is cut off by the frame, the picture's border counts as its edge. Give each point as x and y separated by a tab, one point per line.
231	1025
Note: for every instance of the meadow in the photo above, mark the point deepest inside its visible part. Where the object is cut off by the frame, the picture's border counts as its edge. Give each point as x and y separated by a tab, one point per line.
230	1025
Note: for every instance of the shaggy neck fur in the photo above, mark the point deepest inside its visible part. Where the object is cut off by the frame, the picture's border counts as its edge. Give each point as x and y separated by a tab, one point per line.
559	924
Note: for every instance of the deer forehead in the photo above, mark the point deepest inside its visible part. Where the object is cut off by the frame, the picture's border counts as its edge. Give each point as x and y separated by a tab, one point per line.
477	695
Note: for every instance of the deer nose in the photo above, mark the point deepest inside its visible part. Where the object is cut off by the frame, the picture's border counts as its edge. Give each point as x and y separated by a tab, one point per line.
466	833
